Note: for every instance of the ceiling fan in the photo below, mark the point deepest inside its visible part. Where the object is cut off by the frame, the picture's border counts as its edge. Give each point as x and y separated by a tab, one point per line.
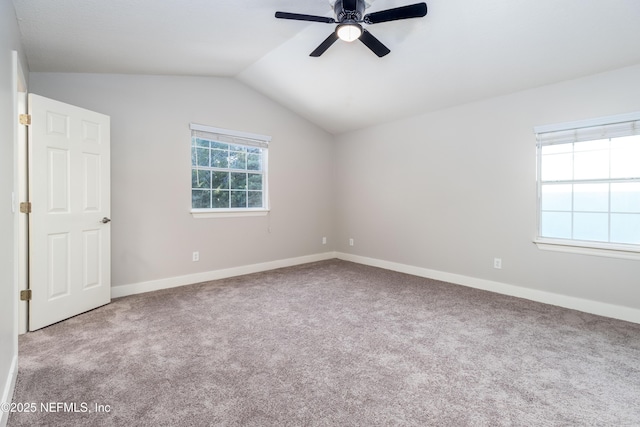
350	17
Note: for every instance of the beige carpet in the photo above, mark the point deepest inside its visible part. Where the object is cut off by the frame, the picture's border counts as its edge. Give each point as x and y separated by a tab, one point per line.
330	343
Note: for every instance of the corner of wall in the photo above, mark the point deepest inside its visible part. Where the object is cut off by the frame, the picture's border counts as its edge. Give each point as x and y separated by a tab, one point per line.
580	304
7	393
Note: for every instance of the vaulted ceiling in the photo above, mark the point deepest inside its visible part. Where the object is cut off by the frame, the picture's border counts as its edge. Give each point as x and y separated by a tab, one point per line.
462	51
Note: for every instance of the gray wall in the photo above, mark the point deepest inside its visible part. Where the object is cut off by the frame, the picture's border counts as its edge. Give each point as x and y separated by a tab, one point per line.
445	191
9	40
153	234
451	190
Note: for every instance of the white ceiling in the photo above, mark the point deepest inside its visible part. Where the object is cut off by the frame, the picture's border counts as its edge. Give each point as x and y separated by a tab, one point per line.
462	51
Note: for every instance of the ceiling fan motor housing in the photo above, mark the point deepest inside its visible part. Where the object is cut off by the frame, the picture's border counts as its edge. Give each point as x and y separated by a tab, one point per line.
349	10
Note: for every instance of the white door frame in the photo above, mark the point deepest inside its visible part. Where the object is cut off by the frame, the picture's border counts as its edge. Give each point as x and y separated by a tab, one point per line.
20	194
19	83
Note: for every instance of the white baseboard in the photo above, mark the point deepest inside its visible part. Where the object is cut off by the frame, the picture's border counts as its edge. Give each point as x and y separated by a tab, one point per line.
588	306
9	386
172	282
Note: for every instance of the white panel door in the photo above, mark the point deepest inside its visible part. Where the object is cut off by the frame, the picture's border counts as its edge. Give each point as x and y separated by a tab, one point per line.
69	229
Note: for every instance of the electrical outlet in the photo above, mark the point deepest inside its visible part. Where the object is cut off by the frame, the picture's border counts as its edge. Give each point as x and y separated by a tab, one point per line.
497	263
324	240
196	256
351	242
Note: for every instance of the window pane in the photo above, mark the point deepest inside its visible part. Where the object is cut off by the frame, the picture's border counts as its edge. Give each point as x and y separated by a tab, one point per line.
591	164
625	157
557	148
556	197
201	157
237	160
220	180
220	199
625	197
591	226
625	228
556	224
238	181
219	145
219	158
597	144
238	199
200	199
255	181
255	199
591	197
254	162
201	142
557	167
200	178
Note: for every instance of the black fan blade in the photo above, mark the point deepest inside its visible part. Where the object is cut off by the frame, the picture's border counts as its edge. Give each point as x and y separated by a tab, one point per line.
326	44
301	17
417	10
374	44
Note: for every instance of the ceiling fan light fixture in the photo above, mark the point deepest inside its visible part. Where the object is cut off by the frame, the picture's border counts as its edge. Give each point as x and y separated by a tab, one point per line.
349	31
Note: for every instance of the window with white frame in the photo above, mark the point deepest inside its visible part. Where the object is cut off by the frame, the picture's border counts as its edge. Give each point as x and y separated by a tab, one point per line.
589	183
228	170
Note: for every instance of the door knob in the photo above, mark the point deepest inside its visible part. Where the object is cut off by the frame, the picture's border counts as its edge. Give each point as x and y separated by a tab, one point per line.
105	220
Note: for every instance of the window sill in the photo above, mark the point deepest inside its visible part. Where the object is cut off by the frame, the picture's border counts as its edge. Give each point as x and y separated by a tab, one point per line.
227	213
589	248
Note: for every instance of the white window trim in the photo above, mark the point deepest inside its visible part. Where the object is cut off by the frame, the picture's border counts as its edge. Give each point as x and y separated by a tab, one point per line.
243	212
609	250
599	121
602	249
228	213
246	135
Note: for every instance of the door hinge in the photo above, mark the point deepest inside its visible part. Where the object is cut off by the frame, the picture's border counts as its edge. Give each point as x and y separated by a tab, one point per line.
25	295
25	119
25	207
